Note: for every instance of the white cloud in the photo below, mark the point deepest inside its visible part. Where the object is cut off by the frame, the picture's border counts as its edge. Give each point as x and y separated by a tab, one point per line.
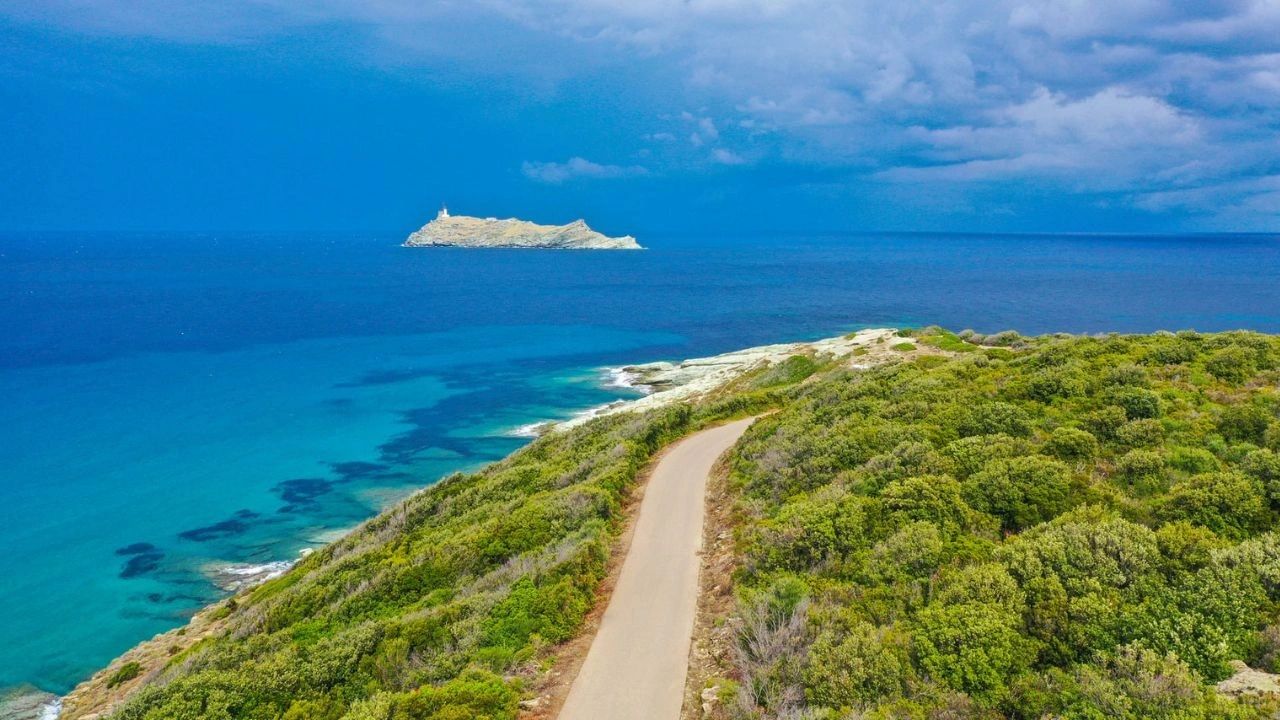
1257	193
1112	140
1137	98
727	157
707	129
1113	117
554	173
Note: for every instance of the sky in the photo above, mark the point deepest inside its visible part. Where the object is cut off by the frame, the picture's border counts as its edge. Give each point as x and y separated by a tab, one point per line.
671	116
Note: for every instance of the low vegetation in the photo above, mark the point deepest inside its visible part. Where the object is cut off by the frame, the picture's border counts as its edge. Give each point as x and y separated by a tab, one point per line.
1076	528
985	527
127	672
440	608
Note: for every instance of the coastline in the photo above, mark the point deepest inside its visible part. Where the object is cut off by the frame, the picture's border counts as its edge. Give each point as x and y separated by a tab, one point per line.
661	383
667	382
30	703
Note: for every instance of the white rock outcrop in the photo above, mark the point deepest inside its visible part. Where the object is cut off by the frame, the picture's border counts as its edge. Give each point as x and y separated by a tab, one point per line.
674	382
1247	681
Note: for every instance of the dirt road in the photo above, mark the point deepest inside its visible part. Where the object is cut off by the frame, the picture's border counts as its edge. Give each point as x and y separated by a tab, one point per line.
637	663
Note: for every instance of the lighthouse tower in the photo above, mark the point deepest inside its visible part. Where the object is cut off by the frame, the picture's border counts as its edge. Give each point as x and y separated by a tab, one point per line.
444	213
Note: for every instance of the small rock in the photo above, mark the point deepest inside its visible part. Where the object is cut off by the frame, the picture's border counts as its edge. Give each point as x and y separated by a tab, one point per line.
1247	681
710	696
532	703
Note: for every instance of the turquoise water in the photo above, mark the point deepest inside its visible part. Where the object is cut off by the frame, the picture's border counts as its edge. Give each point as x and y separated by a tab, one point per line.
175	402
247	455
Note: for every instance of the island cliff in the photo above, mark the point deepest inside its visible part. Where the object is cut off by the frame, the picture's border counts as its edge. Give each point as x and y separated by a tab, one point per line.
461	231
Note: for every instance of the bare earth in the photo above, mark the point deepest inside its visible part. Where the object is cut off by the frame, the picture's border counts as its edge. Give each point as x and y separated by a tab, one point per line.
637	663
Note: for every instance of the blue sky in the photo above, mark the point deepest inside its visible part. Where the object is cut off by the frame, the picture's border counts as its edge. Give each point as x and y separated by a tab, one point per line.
659	116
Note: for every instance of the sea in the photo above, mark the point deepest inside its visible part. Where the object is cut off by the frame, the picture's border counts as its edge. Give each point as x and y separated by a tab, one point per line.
177	410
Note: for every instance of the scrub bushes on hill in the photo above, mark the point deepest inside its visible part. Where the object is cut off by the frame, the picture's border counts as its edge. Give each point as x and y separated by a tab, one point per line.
437	608
1082	529
1059	527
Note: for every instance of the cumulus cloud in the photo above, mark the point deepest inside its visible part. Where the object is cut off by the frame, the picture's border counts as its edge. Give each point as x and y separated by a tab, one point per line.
727	157
555	173
1111	140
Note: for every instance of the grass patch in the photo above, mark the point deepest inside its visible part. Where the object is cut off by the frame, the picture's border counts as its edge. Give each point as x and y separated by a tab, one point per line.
127	672
948	341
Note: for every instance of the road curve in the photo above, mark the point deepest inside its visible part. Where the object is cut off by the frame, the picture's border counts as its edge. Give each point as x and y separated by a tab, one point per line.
638	660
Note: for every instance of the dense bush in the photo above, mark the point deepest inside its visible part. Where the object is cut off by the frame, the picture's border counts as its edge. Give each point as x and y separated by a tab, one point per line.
1072	444
1064	527
1079	529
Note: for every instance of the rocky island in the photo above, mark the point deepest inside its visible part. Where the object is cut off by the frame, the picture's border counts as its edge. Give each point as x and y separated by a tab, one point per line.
461	231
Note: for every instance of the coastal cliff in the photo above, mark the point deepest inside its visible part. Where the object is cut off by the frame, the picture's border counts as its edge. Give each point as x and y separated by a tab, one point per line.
461	231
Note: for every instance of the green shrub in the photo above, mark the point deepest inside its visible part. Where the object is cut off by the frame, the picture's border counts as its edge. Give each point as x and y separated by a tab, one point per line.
809	531
1071	444
475	694
1186	548
947	341
1193	460
1052	383
995	418
859	665
1144	470
933	498
1021	491
1138	403
971	454
1170	350
1245	423
913	552
1128	683
124	674
1105	422
1127	374
1140	434
1265	466
1232	364
988	583
972	647
788	372
1229	503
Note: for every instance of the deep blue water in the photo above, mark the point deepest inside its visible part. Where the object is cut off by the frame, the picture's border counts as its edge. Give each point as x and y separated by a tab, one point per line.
176	401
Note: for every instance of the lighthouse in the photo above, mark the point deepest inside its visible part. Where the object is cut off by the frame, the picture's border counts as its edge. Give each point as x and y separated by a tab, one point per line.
444	213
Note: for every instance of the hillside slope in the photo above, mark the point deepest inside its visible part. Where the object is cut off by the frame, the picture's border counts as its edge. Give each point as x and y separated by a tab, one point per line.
436	608
1083	528
1064	527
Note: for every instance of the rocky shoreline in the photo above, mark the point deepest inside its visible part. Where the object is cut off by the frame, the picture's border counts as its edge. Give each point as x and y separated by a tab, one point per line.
666	382
29	703
105	690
